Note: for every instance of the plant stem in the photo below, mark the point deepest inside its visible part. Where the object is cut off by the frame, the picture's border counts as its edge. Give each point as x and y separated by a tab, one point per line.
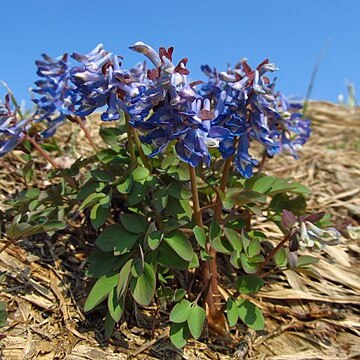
262	162
81	122
224	180
209	273
41	151
69	180
273	252
195	197
130	140
140	149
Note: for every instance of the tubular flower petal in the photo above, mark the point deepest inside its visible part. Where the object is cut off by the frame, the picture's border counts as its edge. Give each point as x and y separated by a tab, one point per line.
12	131
56	94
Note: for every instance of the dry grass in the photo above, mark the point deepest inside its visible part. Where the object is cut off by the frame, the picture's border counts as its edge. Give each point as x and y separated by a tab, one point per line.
307	318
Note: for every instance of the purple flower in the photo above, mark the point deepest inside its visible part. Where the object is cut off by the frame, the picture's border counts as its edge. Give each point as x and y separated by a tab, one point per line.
11	130
179	114
245	103
305	234
101	82
57	97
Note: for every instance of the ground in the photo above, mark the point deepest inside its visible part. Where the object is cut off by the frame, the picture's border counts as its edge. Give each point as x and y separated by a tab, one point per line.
44	285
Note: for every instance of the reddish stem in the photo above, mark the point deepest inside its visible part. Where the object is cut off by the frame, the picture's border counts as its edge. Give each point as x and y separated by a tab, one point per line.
81	122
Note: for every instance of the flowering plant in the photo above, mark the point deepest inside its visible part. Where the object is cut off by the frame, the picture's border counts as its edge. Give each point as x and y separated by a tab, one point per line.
176	185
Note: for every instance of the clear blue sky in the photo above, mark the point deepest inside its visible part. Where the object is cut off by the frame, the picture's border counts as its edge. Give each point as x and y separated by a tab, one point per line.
291	33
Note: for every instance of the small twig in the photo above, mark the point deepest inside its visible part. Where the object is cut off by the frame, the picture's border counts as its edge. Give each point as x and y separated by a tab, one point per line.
8	243
150	343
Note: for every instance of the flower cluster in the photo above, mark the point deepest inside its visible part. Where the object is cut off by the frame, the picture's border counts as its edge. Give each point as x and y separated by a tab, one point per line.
11	129
57	97
305	234
228	112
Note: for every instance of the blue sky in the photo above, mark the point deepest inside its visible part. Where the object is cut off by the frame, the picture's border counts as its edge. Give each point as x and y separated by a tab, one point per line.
292	34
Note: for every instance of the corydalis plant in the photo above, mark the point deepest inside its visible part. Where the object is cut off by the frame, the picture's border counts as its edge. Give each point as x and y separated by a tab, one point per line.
178	185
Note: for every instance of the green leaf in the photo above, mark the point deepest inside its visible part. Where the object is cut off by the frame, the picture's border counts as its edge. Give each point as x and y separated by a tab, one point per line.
143	287
222	245
125	187
100	291
115	237
306	260
115	305
154	239
171	159
178	295
106	240
179	333
170	259
200	236
179	190
91	200
100	263
272	185
160	199
53	225
281	257
214	231
231	312
248	284
248	197
247	265
134	223
98	215
196	320
283	201
140	173
125	242
180	244
180	173
137	193
110	136
124	278
250	314
137	268
109	324
260	183
194	263
181	311
254	247
234	239
235	260
179	209
102	175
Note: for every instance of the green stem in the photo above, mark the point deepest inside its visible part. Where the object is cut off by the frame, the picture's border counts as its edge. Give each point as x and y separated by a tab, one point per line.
195	197
140	149
130	140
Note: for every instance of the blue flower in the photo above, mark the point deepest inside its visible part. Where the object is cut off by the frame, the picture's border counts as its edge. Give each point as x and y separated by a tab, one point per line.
12	131
57	97
170	110
246	104
101	82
